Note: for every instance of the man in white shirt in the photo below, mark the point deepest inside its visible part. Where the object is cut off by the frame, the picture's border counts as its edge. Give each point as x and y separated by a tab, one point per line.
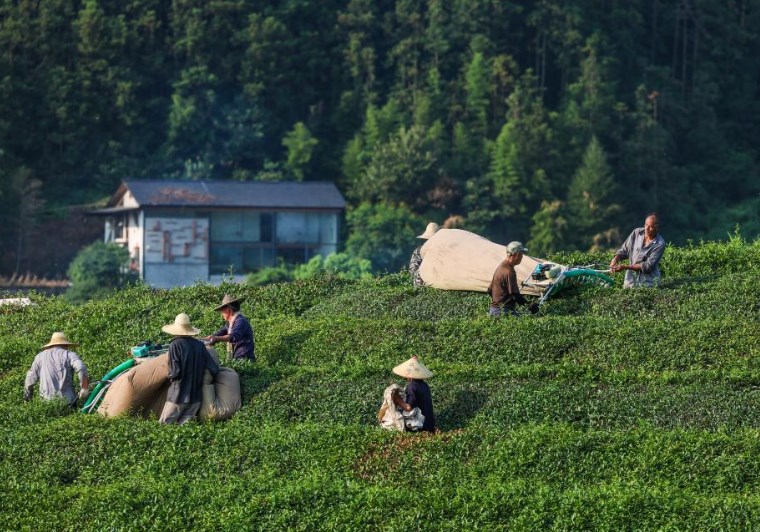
54	369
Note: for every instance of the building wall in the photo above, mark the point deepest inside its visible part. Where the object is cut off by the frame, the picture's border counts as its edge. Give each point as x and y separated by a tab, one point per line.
176	250
178	247
171	275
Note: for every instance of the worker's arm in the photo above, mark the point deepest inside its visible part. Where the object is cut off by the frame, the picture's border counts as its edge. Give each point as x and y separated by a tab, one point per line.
400	402
222	335
32	376
624	252
81	369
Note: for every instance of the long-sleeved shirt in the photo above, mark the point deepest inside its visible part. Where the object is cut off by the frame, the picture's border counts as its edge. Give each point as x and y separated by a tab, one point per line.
418	395
648	256
188	359
54	369
504	289
414	266
241	337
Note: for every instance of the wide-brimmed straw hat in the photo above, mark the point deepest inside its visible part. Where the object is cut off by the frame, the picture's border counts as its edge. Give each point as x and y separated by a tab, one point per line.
431	229
412	369
181	326
229	300
58	338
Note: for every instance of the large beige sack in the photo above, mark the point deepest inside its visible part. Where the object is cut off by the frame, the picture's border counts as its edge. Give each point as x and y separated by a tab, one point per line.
453	259
221	399
143	390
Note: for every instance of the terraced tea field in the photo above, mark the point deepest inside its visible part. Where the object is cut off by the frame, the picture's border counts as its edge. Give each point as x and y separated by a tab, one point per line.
611	409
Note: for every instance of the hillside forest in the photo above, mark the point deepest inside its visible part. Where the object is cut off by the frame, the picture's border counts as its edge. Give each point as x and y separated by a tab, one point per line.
560	123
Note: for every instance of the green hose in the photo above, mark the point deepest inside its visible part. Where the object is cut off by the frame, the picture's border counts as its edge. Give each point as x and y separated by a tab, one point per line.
106	380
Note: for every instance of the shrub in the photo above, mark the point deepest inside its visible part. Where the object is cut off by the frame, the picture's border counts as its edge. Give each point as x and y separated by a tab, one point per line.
612	409
270	275
383	234
340	264
97	270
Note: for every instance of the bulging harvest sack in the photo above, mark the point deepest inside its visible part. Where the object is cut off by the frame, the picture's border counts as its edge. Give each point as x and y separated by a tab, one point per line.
453	259
143	390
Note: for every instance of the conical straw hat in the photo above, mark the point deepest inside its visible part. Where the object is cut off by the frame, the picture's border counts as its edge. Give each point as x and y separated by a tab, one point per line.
58	338
412	369
229	300
431	229
181	326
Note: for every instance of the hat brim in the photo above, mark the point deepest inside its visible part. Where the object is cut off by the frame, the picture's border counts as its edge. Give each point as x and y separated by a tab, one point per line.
176	330
54	344
418	372
228	303
414	374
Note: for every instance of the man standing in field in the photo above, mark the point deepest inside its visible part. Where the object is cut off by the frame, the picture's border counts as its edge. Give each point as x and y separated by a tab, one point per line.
504	290
643	249
237	331
416	260
54	369
188	359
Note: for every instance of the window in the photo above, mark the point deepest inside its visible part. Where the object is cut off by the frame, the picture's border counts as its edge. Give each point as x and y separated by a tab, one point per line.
246	241
224	259
241	241
296	255
241	226
257	258
307	227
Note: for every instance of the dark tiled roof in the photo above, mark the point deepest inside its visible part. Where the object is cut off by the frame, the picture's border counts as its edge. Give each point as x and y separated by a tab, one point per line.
257	194
113	210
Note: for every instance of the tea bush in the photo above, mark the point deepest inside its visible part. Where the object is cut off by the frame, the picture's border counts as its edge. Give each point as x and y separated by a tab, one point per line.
611	409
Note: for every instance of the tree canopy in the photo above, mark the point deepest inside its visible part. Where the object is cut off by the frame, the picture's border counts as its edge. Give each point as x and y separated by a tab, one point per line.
500	113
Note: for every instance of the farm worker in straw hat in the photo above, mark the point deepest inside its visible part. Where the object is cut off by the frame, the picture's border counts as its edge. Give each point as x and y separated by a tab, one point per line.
54	369
416	260
237	330
504	290
188	359
417	390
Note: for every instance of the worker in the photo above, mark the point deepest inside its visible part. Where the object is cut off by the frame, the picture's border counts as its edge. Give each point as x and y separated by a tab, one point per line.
54	369
237	331
643	248
504	290
188	359
417	391
416	260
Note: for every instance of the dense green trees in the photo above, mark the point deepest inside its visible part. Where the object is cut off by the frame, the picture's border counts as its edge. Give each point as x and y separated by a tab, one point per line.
499	112
97	270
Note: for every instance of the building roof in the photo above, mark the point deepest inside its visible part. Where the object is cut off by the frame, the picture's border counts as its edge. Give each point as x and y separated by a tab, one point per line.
254	194
113	210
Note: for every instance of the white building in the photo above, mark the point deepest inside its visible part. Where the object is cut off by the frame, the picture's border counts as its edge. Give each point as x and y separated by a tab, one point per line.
180	232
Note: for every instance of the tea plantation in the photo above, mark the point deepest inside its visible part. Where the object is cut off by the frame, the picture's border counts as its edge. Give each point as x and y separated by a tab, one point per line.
611	409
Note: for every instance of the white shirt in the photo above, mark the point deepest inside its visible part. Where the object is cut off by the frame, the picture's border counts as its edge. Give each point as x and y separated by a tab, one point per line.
54	368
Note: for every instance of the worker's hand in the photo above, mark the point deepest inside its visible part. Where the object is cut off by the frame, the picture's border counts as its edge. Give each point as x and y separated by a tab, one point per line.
83	393
533	308
27	394
211	340
613	263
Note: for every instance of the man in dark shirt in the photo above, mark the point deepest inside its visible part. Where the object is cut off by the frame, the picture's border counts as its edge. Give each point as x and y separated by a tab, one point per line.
504	290
417	391
188	359
237	330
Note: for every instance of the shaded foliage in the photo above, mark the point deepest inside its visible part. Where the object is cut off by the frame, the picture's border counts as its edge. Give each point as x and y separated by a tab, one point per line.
482	110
